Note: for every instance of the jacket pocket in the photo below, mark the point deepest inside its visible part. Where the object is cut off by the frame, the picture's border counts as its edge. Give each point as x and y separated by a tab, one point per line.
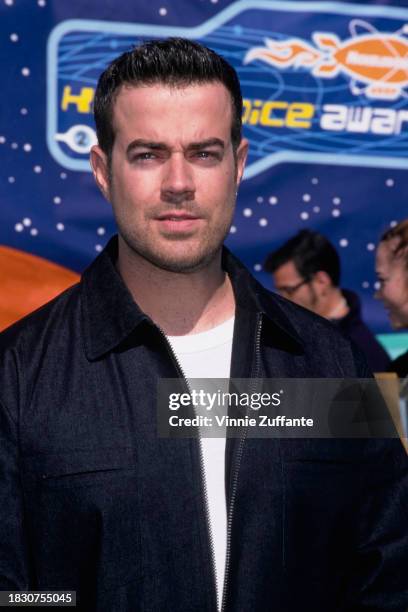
82	510
75	468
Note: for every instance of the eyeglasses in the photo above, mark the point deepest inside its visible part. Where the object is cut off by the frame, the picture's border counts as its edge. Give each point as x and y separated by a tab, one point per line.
291	290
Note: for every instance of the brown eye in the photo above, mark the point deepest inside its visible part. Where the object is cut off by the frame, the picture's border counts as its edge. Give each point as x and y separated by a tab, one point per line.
142	157
210	156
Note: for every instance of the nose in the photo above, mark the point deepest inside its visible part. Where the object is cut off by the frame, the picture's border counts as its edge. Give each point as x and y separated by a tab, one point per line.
178	179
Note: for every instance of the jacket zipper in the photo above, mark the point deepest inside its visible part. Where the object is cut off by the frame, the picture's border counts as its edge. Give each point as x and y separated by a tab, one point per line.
254	374
202	470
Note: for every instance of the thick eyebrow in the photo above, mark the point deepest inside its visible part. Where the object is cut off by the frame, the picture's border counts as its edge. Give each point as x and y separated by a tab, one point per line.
161	146
145	144
210	142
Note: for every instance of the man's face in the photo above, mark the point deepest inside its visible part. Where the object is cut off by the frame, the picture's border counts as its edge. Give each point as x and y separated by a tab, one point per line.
393	278
174	177
292	286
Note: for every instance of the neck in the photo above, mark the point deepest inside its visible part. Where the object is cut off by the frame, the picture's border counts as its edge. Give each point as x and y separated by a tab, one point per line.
179	304
334	305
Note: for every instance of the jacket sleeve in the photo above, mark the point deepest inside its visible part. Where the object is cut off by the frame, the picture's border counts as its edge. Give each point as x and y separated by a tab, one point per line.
13	555
380	567
379	570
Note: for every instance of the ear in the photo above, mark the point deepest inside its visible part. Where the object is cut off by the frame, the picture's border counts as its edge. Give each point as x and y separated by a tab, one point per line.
322	279
242	154
100	169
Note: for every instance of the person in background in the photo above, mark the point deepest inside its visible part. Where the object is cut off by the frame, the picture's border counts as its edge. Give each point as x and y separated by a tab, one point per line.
306	270
392	273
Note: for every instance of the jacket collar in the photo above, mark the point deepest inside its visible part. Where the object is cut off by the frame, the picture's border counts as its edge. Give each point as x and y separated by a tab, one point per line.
110	315
250	295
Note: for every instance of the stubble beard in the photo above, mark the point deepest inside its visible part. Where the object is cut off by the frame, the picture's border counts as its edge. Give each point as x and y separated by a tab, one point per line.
185	262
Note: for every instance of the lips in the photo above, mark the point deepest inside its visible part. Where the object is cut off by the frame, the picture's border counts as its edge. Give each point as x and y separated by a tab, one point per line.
176	216
178	222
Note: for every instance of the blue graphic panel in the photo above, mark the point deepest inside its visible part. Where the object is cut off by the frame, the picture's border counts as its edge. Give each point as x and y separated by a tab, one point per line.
311	94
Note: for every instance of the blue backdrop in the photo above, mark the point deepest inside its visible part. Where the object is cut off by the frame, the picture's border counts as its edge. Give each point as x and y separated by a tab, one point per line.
326	112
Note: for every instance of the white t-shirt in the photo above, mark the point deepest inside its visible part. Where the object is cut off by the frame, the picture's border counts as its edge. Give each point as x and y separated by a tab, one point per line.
208	355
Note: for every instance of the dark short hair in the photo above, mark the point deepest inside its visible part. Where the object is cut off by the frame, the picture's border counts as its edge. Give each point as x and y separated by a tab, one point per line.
173	62
399	231
310	253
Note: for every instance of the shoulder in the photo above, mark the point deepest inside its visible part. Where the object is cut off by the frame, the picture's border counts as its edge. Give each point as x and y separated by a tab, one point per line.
52	316
27	343
321	341
304	321
322	347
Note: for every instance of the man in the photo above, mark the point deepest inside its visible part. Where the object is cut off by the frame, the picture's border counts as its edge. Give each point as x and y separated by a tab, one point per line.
306	270
91	498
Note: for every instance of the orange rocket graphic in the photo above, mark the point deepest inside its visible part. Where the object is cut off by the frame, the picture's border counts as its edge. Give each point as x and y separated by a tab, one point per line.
377	63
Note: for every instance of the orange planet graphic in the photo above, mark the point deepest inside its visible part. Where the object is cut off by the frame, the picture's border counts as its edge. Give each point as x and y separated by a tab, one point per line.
27	282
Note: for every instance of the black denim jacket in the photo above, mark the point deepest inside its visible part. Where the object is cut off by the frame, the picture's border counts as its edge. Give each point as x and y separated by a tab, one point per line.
92	500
